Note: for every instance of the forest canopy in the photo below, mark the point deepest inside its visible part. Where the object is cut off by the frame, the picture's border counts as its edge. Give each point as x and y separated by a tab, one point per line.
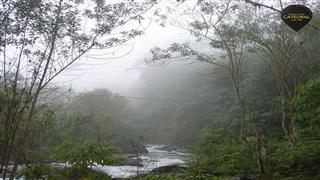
241	93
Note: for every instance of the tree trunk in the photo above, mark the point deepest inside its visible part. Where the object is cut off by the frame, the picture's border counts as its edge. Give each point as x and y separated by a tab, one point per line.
14	170
261	150
286	123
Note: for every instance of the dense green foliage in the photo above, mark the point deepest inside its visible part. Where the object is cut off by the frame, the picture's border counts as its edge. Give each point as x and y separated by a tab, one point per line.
307	105
98	115
244	93
39	40
85	155
153	176
218	155
79	160
50	173
255	115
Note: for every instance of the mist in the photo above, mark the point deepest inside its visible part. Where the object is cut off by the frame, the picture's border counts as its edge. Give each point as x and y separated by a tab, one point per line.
159	89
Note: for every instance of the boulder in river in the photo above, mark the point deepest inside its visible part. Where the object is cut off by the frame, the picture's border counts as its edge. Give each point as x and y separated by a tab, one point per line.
169	168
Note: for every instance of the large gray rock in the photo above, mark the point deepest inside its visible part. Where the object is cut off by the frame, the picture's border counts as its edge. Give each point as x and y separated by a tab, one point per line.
170	168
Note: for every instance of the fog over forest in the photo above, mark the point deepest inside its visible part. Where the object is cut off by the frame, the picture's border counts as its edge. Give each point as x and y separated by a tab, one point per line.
159	89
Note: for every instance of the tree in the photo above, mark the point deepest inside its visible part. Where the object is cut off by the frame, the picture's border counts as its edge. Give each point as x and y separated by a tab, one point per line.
228	39
290	59
228	44
41	39
308	108
261	5
248	31
103	111
86	155
293	58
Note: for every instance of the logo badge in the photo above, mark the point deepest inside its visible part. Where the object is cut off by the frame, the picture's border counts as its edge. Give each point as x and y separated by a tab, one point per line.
296	16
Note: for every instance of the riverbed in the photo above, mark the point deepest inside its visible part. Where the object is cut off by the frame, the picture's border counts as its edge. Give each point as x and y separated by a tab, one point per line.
158	156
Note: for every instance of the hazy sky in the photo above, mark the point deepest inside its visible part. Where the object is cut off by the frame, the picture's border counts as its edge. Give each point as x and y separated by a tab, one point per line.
120	74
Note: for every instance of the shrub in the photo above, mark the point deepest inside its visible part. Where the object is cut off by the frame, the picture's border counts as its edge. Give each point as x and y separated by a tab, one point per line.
81	157
217	155
86	155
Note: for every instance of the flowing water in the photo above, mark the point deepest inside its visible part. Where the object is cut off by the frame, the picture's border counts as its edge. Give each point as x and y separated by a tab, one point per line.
156	157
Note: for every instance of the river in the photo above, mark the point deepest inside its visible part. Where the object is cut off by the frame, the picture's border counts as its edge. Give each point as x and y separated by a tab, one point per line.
156	157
